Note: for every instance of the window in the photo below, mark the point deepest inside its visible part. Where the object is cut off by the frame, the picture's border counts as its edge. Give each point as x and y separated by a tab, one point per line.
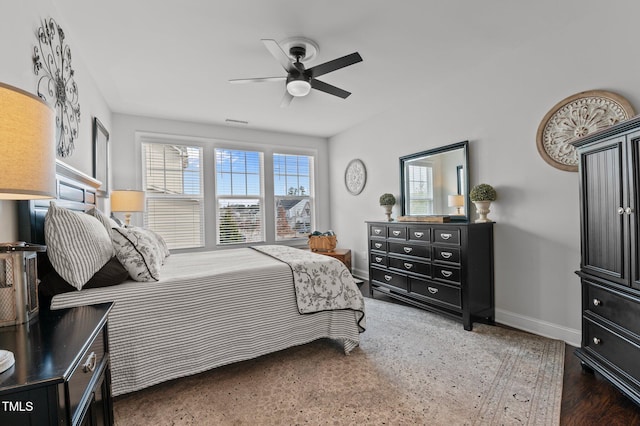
293	192
173	185
421	189
239	196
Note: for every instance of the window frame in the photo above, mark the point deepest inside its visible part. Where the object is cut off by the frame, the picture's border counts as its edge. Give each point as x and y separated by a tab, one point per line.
310	196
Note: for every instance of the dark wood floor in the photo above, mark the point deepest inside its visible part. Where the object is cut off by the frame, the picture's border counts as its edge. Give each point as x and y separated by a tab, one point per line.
587	399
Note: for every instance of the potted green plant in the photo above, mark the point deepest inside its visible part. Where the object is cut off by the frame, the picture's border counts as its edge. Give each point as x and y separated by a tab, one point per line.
482	195
388	201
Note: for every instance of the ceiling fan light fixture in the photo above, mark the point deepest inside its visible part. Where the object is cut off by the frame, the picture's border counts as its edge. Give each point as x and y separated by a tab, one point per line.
298	88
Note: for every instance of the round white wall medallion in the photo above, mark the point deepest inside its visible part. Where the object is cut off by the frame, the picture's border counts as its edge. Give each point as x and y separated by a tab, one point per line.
355	176
576	117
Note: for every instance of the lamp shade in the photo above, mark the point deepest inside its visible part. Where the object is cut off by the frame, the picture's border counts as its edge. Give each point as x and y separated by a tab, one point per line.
455	200
27	146
127	200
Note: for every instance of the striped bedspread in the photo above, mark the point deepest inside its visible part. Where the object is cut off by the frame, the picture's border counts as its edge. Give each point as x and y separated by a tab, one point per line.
208	309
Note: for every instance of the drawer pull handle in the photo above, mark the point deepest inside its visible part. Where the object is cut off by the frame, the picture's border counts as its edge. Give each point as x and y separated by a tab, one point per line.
408	249
445	236
446	254
90	363
620	210
628	210
378	259
418	234
396	233
378	245
377	231
408	265
597	302
388	277
597	341
446	274
432	290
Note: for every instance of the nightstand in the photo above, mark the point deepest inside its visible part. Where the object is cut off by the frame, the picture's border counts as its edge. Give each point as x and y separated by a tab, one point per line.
62	372
343	255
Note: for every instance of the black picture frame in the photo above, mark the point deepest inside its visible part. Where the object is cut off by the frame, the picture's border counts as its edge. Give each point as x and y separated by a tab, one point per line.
101	157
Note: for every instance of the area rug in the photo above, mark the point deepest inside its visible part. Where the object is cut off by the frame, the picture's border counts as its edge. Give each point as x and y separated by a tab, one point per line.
412	367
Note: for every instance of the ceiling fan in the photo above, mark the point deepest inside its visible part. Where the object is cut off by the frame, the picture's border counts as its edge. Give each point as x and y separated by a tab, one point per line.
300	80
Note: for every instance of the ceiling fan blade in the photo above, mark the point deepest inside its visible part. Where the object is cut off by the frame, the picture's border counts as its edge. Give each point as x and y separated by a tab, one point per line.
277	52
336	64
286	100
328	88
257	80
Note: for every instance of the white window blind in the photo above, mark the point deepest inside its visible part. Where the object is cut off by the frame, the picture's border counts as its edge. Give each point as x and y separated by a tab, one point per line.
293	192
239	196
421	189
175	200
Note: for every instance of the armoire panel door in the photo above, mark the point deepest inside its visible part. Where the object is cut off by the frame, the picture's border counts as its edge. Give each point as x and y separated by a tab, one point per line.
603	217
633	168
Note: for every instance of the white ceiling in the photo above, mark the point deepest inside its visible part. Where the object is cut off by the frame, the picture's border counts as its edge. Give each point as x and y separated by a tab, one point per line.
173	59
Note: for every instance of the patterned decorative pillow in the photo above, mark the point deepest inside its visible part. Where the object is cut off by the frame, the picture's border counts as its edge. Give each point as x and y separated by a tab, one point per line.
138	252
78	245
161	243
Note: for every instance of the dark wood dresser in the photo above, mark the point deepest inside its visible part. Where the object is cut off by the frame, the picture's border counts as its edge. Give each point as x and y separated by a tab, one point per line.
445	267
62	372
609	164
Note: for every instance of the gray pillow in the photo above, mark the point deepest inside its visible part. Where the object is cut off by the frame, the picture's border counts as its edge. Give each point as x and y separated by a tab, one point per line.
78	245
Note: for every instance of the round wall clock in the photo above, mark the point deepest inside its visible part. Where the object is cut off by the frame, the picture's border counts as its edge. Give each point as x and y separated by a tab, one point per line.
355	176
576	117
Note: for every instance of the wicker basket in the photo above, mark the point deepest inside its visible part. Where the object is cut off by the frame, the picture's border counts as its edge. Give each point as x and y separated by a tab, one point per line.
322	242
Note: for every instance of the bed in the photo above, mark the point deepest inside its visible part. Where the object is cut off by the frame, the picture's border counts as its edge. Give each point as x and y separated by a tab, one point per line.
206	310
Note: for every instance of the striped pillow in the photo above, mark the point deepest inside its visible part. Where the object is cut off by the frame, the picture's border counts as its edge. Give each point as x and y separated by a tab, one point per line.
78	245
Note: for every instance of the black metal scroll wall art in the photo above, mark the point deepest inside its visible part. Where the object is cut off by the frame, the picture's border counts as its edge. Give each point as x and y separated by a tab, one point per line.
56	83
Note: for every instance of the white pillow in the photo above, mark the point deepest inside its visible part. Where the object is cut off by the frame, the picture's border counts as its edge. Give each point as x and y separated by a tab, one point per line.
138	252
78	245
103	218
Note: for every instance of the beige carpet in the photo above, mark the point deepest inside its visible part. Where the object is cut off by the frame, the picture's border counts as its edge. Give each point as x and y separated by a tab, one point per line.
412	367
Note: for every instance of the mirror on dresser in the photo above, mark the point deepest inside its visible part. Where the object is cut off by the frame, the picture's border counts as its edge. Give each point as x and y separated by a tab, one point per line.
436	182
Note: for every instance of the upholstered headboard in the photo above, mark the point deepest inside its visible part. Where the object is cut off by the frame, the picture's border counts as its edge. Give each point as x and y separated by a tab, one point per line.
75	190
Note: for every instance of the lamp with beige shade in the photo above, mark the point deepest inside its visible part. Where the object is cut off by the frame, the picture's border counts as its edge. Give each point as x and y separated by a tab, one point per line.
27	172
127	201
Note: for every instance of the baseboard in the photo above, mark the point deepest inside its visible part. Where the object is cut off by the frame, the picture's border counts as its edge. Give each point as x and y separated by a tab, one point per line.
536	326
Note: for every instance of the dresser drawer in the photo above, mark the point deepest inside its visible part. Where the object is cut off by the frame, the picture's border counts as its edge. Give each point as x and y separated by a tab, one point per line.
448	236
380	245
619	351
614	307
398	232
378	231
446	273
87	368
378	259
389	278
441	293
416	233
410	266
446	254
419	250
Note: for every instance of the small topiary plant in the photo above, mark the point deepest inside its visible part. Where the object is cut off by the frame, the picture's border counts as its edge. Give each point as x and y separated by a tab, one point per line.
387	200
482	192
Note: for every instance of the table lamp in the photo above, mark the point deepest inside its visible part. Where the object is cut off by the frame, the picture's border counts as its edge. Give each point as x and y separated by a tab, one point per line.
127	201
456	201
27	172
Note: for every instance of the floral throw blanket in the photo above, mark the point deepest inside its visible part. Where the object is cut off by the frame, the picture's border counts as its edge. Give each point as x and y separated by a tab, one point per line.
321	283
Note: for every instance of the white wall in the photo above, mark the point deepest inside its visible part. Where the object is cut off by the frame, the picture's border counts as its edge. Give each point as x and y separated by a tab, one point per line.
18	25
497	105
126	158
